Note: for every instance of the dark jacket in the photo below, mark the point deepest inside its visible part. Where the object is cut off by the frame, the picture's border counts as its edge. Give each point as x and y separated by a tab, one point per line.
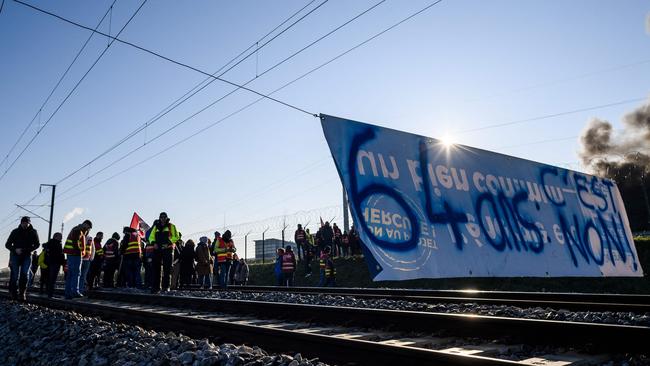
25	239
54	253
327	235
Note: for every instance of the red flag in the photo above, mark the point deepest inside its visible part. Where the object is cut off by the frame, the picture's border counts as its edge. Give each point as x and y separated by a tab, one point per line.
139	224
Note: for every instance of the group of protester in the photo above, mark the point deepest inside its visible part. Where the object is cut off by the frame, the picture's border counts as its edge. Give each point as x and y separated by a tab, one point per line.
327	243
168	261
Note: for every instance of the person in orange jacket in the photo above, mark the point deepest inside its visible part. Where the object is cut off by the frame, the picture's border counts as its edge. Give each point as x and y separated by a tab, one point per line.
75	248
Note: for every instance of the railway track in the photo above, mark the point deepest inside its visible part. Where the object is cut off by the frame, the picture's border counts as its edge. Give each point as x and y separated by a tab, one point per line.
554	300
363	336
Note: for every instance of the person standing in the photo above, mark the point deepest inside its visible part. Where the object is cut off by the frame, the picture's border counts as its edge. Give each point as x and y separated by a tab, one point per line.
132	253
54	259
204	263
75	248
187	264
213	253
163	236
288	266
176	264
148	268
21	242
277	267
32	270
327	235
111	260
337	240
330	271
41	260
96	264
322	265
345	244
86	260
224	249
300	237
241	278
309	252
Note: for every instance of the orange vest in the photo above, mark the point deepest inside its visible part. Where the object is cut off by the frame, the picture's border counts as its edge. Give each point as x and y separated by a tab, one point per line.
133	246
75	242
287	263
223	250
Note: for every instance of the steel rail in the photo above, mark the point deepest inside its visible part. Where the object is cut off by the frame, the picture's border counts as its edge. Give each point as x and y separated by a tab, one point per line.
567	301
219	328
604	337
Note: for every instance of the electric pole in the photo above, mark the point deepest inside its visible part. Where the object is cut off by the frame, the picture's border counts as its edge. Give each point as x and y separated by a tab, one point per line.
49	231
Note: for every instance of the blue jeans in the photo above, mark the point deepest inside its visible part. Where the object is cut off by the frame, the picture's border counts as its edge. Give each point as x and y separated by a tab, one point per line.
132	264
322	280
205	281
72	279
19	264
224	269
85	267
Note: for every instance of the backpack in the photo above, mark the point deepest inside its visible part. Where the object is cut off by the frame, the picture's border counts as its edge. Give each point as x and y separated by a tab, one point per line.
41	260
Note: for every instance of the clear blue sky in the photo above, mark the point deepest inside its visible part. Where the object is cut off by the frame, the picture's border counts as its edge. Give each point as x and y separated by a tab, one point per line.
461	65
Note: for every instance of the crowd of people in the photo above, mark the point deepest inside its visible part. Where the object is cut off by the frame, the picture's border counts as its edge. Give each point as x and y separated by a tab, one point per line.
167	260
327	243
87	262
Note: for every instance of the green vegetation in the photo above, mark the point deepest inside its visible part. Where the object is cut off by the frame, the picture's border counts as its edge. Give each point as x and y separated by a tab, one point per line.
353	272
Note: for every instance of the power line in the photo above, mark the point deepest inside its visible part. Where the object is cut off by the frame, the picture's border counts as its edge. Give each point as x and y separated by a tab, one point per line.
124	156
538	142
211	80
175	104
71	91
553	115
143	49
564	80
56	86
200	131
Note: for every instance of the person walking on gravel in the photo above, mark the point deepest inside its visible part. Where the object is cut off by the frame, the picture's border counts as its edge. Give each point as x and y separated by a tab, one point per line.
21	242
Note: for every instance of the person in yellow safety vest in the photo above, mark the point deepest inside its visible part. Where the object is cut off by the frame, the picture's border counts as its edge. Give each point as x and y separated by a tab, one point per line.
163	236
75	248
98	260
131	255
224	248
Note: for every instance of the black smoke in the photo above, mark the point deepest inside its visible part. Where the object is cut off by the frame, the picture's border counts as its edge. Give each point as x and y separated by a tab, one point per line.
624	156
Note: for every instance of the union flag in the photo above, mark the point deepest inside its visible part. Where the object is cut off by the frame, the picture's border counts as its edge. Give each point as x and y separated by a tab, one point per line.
139	224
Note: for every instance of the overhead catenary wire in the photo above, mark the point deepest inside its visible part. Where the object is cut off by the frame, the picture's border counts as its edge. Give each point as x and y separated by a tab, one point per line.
256	44
168	130
552	115
564	80
56	86
71	91
200	131
199	87
173	61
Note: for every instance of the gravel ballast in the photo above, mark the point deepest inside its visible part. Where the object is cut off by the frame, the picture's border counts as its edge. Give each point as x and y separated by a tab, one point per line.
604	317
34	335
